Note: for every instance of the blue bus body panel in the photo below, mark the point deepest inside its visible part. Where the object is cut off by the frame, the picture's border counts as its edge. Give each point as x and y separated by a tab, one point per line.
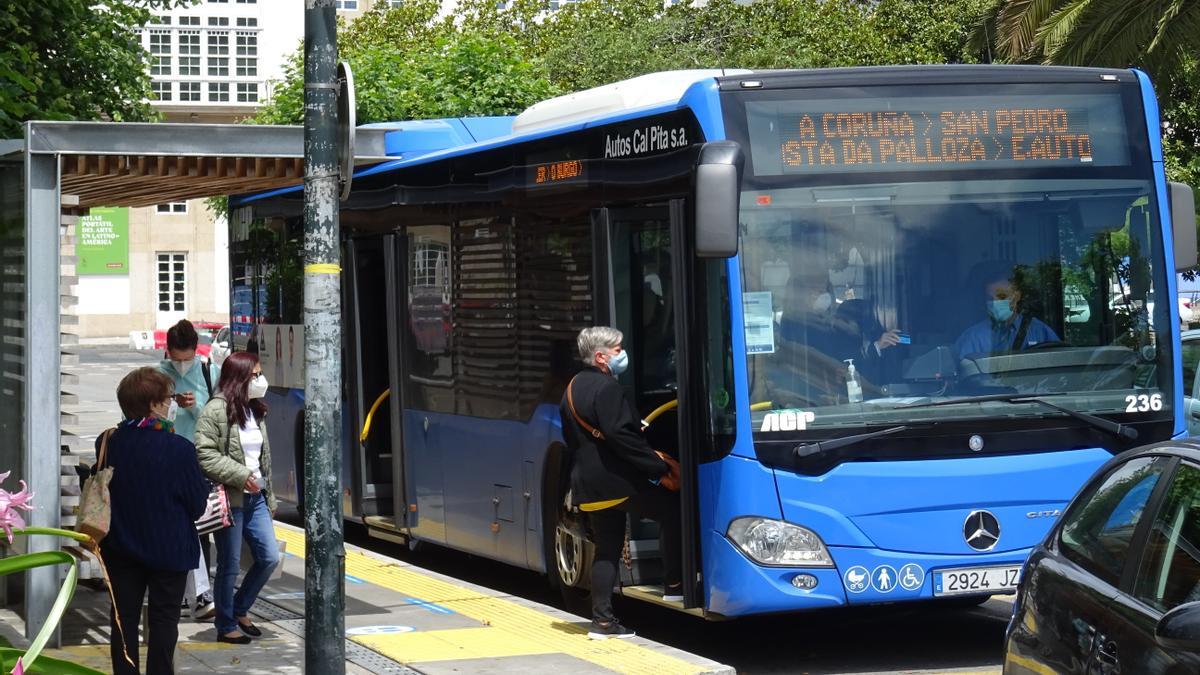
1153	125
470	491
920	506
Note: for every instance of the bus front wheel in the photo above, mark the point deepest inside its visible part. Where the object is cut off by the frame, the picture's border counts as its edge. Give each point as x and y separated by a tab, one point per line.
571	562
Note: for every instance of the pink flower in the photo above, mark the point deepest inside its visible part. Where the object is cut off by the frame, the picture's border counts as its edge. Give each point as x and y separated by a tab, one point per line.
9	503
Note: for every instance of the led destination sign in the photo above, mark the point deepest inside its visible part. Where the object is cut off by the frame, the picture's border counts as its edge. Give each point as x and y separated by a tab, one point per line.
877	134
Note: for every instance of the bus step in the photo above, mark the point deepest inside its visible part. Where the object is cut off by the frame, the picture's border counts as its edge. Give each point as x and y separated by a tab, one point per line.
383	527
653	593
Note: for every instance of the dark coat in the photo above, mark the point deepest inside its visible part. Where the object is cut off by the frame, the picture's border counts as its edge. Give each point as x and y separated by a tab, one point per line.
157	494
623	463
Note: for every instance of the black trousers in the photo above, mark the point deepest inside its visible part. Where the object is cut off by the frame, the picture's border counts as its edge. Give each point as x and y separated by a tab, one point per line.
608	532
130	582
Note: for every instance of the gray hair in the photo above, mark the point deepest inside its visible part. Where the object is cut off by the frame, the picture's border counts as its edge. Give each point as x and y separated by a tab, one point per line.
593	339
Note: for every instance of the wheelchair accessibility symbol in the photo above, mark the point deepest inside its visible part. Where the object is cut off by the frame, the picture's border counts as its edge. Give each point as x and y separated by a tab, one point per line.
912	577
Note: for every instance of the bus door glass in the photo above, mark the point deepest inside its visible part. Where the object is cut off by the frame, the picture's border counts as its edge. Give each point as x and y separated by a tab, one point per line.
369	334
642	306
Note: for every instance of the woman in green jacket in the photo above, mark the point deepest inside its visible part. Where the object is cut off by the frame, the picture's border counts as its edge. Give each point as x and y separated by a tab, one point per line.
231	443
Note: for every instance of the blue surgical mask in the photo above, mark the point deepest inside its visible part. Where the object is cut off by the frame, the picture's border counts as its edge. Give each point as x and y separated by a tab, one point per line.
617	364
999	310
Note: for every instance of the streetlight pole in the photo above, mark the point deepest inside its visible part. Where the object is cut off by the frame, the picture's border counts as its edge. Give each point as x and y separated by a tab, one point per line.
324	552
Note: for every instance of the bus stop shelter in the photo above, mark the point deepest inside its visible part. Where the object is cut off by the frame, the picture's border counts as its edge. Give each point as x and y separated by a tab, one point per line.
57	171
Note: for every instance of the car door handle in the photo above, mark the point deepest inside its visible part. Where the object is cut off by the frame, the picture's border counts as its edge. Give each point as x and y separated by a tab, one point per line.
1106	651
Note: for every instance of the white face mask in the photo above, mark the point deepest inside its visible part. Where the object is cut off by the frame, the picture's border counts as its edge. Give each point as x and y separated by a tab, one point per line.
182	367
257	387
822	302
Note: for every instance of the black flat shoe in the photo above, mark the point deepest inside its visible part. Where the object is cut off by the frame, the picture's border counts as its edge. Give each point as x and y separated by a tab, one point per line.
250	630
238	640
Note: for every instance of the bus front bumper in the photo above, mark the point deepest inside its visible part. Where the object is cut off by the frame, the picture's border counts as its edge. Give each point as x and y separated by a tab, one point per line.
738	586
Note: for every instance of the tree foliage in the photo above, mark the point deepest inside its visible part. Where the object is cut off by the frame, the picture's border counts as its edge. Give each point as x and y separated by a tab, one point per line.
73	59
1159	36
409	62
1153	34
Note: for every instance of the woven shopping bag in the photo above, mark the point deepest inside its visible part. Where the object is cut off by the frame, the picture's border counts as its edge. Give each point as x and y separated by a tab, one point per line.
95	505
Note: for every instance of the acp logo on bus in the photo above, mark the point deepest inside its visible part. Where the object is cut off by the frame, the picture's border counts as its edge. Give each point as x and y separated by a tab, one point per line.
787	420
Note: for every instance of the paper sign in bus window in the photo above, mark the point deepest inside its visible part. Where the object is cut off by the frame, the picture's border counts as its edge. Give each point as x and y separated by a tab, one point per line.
760	322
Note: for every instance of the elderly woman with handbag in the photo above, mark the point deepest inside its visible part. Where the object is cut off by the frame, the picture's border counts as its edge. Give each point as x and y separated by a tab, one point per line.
231	442
156	494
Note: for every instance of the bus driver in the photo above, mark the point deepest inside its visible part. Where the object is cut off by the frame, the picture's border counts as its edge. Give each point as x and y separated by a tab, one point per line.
1006	327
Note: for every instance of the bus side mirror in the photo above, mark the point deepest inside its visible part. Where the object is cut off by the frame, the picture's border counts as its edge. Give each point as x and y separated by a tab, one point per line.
718	179
1183	225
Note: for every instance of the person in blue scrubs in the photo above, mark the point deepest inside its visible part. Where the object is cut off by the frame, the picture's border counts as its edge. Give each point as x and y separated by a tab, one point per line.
1000	330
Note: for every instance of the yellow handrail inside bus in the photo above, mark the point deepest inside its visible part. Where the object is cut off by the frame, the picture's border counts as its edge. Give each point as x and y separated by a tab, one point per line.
371	415
671	405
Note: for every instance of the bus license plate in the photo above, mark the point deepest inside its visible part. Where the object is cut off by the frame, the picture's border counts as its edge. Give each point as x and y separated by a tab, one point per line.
976	580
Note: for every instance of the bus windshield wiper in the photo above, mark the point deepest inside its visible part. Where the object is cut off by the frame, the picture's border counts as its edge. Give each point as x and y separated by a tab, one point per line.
806	450
1116	428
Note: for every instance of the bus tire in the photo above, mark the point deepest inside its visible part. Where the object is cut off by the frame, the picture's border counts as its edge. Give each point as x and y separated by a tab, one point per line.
568	553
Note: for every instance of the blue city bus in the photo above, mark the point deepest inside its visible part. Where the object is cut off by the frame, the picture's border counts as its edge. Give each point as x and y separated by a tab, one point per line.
888	320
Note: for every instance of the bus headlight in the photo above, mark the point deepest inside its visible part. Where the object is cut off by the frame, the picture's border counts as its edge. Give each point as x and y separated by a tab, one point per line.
774	542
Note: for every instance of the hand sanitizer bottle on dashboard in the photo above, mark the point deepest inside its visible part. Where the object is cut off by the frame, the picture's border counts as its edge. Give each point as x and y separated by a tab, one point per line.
853	387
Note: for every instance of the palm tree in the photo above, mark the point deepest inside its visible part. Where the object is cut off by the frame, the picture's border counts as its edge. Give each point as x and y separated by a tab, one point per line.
1152	34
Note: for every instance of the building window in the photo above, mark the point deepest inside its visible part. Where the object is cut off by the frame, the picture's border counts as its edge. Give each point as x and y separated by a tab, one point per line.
172	282
218	2
189	52
247	22
189	21
247	2
218	91
346	4
247	92
218	43
395	4
247	66
160	20
218	21
171	207
247	44
161	91
218	66
160	50
189	91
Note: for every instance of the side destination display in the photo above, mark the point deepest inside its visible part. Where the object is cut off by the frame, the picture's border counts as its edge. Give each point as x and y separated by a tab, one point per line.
936	133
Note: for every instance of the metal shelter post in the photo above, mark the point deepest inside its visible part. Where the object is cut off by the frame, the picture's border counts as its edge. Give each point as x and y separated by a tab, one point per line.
41	374
325	555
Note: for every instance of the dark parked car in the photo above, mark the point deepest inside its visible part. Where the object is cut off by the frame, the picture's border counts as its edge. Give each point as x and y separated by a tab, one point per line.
1115	587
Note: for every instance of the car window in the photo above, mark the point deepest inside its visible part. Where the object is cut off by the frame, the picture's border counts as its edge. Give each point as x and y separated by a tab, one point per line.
1190	355
1170	571
1098	528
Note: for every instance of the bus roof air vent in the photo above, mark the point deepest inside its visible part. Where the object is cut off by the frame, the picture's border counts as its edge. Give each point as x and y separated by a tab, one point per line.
640	92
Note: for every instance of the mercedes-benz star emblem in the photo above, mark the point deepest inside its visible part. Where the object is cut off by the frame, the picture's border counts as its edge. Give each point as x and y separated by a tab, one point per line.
981	530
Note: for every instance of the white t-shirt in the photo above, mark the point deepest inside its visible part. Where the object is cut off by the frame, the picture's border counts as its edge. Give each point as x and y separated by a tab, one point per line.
252	441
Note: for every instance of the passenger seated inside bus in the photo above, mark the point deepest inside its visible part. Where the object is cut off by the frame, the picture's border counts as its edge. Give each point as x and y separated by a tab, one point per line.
1008	327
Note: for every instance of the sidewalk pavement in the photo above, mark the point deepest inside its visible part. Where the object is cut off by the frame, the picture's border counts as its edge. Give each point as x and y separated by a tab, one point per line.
399	618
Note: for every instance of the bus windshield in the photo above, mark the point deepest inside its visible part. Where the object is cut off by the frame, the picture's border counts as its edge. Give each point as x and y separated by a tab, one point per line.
873	284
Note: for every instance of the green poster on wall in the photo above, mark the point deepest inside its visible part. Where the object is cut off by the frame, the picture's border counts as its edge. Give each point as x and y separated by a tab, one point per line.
103	244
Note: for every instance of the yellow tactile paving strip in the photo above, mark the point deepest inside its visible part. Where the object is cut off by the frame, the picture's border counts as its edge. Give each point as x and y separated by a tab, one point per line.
509	629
